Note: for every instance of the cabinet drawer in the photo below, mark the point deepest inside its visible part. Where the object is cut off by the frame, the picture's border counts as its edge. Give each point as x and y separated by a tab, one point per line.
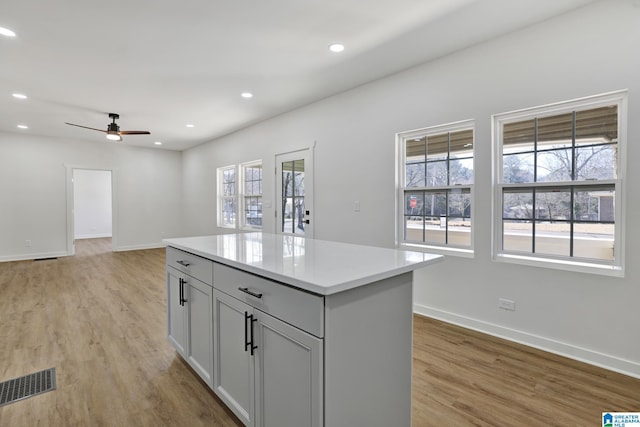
294	306
193	265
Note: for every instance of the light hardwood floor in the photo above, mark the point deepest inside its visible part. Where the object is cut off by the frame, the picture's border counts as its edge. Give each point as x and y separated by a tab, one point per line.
99	319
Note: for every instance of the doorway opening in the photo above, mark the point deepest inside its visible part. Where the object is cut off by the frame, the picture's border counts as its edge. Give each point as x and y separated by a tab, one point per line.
90	211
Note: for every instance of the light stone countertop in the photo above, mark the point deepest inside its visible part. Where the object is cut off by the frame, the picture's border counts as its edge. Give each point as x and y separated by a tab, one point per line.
317	266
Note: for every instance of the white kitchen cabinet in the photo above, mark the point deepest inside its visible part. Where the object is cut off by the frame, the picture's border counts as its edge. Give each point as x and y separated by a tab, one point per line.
190	311
288	375
305	332
200	329
176	316
233	377
267	371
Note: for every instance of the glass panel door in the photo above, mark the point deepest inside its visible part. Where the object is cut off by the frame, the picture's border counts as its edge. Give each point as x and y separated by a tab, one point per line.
293	220
294	204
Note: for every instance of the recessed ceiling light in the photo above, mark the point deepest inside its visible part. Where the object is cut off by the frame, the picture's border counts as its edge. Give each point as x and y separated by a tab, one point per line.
19	95
336	47
246	95
158	143
23	127
7	32
189	125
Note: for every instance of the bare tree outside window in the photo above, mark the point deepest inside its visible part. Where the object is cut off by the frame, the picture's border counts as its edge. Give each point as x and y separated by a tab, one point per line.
559	173
293	193
228	196
252	194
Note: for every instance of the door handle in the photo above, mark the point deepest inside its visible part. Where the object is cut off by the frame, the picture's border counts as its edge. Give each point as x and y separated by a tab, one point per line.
253	347
183	263
248	332
247	343
182	298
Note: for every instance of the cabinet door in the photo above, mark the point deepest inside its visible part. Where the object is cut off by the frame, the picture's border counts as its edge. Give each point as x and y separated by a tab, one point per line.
199	298
233	375
289	381
176	317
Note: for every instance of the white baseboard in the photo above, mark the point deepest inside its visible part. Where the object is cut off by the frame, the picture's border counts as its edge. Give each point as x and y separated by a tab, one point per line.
24	257
139	247
92	236
41	255
612	363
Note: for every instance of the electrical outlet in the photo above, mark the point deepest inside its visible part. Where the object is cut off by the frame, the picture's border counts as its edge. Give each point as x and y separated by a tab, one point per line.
27	243
356	205
506	304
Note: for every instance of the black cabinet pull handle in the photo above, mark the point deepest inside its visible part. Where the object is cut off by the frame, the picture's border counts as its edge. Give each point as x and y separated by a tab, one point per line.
180	280
253	347
183	263
182	298
253	294
247	343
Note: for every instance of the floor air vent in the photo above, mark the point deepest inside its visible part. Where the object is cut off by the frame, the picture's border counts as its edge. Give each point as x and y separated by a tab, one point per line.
27	386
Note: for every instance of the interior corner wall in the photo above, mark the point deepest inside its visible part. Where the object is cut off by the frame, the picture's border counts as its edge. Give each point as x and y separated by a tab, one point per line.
92	203
589	51
33	218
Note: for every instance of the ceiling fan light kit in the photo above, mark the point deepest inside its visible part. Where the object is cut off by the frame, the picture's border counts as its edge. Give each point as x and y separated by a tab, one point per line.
113	136
113	131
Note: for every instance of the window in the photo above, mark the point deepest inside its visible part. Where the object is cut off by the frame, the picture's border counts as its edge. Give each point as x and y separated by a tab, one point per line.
436	187
558	184
244	195
252	194
227	196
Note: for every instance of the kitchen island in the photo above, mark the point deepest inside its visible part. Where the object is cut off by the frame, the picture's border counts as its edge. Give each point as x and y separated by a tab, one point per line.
289	331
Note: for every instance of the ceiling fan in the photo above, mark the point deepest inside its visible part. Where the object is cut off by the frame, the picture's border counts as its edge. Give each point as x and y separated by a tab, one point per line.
113	130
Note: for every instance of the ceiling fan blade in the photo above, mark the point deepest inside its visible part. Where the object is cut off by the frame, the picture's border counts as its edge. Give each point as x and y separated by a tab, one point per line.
86	127
134	132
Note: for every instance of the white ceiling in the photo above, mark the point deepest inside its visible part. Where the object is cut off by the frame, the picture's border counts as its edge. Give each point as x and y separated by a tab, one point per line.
162	64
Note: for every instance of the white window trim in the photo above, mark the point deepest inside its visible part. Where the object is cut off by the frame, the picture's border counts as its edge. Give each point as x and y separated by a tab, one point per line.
619	98
241	195
401	137
220	195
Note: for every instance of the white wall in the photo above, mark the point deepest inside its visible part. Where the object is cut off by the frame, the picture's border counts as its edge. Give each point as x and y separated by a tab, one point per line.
590	51
147	182
92	203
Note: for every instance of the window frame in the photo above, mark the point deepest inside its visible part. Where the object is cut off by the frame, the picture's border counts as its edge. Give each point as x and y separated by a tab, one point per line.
616	266
242	195
401	139
221	197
